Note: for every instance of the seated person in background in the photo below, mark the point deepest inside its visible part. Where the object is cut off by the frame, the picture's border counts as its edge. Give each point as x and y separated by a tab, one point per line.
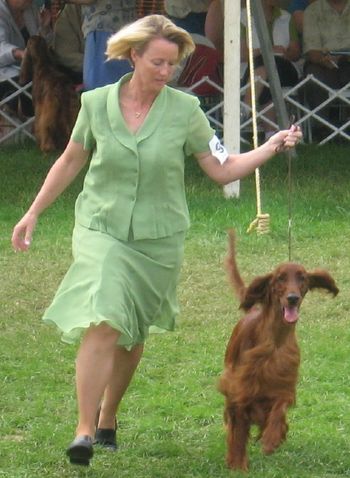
188	14
287	51
68	42
326	29
205	61
296	9
214	25
19	19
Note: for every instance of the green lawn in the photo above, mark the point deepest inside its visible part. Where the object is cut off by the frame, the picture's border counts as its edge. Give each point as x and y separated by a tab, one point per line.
170	424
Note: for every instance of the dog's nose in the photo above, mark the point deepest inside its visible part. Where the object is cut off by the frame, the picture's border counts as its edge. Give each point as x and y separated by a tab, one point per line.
293	299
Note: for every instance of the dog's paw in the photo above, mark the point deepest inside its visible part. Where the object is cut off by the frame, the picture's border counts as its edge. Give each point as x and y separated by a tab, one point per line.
235	463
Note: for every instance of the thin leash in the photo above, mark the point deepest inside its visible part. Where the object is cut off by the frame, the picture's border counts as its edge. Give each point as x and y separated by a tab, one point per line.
289	156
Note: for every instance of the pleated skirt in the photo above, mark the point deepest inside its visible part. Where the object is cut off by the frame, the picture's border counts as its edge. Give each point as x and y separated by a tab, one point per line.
129	285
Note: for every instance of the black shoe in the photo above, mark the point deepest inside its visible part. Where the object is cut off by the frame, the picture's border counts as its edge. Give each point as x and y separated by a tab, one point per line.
80	451
106	437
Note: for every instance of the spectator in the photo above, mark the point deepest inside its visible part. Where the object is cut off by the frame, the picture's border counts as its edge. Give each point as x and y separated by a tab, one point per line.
296	9
68	41
102	18
206	60
287	51
19	19
214	25
188	14
326	29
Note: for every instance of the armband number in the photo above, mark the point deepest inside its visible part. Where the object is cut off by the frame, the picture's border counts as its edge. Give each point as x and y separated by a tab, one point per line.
217	149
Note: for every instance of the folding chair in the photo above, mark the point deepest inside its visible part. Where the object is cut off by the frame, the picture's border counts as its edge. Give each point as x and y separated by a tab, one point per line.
11	125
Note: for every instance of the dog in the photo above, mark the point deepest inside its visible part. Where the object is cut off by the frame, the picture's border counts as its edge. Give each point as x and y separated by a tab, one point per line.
56	103
262	356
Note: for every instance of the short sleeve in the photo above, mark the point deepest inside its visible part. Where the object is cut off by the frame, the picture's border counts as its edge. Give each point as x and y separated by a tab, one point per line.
199	132
82	132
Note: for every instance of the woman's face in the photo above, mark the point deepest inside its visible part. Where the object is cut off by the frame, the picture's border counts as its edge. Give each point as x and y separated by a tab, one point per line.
156	64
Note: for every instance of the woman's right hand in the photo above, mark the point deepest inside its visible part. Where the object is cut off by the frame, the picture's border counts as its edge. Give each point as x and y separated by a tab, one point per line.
23	232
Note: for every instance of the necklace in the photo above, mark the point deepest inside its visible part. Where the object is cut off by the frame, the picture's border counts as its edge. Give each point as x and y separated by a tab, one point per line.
138	114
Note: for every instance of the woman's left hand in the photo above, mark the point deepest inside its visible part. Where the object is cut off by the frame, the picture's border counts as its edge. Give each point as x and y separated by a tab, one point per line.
286	139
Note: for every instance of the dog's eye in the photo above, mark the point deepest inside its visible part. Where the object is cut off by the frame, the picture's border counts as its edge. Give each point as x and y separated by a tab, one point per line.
281	278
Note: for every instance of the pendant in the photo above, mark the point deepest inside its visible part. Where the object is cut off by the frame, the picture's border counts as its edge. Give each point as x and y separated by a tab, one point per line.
138	114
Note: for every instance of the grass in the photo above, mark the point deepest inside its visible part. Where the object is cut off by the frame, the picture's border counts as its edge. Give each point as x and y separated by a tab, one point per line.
171	418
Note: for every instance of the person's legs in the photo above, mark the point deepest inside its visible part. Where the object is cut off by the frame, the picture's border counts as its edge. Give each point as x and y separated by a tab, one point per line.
315	94
124	366
102	369
94	368
259	71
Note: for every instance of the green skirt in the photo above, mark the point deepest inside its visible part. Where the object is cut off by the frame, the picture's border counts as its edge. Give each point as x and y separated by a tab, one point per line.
130	285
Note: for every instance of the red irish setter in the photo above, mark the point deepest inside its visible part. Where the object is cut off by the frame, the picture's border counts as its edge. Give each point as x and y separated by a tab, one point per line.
262	357
55	101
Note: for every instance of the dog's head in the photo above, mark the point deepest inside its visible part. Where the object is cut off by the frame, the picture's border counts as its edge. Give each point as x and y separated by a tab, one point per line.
285	288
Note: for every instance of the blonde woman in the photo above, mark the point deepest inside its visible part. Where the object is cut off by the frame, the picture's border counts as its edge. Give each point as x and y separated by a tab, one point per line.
131	217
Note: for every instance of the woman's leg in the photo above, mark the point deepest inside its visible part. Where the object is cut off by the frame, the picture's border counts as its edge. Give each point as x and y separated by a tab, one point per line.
124	366
94	368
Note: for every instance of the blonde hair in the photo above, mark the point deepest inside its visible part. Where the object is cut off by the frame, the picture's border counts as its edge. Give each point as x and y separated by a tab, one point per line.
138	34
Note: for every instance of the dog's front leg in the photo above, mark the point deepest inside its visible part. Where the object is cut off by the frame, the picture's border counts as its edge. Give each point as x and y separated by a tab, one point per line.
276	427
237	437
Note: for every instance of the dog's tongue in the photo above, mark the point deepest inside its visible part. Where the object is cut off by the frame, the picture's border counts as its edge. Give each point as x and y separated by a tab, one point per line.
291	314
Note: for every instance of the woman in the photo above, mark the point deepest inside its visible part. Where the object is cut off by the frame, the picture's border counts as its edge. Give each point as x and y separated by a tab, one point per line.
131	217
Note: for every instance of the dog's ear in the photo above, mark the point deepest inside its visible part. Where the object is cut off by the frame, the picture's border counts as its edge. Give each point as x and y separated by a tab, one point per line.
321	279
257	292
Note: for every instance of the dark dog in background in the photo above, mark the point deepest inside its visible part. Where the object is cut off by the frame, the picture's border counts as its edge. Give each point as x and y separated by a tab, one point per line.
55	100
262	357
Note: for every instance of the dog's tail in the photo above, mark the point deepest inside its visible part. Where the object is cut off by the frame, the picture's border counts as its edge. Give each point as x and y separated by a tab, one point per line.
231	267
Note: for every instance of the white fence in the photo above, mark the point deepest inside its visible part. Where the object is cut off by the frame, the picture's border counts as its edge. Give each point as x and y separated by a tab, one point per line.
296	102
213	105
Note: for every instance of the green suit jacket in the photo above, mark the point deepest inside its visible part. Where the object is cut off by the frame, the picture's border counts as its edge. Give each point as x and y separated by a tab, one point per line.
135	183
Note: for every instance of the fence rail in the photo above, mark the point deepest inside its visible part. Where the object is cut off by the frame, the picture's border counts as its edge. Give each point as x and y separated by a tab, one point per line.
296	102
